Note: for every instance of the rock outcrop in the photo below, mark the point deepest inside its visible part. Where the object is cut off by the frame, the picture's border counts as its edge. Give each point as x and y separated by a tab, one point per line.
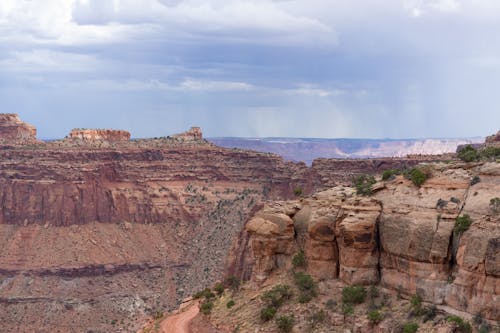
93	135
193	134
401	237
493	140
13	130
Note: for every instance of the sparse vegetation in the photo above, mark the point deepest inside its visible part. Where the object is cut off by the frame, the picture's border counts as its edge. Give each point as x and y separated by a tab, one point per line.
317	318
267	313
232	283
206	307
297	191
429	313
363	184
353	294
462	224
410	328
285	323
277	295
230	304
468	154
219	288
299	260
390	174
306	285
374	317
418	176
495	205
460	325
205	293
490	153
416	305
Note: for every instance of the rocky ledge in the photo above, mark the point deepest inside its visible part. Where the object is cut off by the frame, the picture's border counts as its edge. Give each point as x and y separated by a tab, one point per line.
403	237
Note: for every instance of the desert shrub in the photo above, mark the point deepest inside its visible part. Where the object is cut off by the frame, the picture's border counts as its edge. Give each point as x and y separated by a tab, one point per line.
232	282
353	294
206	307
416	304
462	224
390	174
230	304
347	309
495	205
219	288
363	184
285	323
317	318
484	328
475	180
205	293
489	153
460	325
429	313
375	317
304	281
304	297
277	295
410	328
299	260
306	285
297	191
417	176
468	154
267	313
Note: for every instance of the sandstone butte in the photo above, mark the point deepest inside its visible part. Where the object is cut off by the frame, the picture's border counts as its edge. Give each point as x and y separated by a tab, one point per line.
101	233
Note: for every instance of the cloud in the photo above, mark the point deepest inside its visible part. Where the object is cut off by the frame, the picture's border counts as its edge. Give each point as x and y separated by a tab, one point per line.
46	60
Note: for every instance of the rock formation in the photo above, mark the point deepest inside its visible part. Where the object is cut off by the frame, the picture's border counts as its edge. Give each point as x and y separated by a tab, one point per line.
401	237
493	140
193	134
13	130
92	135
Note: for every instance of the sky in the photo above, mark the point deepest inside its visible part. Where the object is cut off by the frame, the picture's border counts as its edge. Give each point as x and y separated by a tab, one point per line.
253	68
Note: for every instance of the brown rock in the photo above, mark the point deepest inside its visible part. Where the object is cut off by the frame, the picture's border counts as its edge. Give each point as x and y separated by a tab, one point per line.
92	135
12	129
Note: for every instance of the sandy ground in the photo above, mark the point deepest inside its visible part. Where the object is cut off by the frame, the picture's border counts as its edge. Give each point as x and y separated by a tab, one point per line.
179	323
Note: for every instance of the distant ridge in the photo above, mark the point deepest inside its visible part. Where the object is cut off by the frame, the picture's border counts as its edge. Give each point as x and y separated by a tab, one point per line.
308	149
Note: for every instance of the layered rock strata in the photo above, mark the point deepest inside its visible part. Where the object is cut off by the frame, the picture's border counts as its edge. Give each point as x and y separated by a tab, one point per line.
13	130
92	135
401	237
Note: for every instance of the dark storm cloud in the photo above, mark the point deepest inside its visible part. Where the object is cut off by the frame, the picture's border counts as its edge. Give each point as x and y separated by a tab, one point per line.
253	68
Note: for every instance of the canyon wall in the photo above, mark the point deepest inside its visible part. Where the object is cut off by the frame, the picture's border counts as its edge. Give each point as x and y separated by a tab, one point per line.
401	237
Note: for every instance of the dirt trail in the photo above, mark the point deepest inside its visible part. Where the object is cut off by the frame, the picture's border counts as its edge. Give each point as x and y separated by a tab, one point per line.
179	323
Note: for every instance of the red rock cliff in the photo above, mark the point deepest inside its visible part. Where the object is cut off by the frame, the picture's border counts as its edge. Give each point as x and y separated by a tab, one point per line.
12	129
99	135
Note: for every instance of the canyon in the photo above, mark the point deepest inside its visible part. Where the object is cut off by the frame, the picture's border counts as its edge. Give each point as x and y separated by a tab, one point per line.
99	232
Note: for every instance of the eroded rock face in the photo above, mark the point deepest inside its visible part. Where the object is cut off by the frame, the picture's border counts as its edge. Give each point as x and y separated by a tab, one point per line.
12	129
193	134
336	230
476	284
93	135
401	237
